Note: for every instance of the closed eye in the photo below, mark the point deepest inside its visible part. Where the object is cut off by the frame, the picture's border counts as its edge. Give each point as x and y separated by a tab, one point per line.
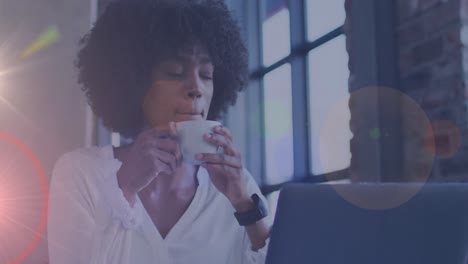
173	69
206	76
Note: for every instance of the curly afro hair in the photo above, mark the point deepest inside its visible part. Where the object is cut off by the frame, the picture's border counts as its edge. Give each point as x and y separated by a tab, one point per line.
117	57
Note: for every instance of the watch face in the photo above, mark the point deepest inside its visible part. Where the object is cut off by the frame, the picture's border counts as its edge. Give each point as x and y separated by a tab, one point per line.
255	214
260	208
255	198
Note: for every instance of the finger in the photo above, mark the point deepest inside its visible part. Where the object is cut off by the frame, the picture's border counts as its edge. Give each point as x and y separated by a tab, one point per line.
162	132
168	145
162	167
172	129
171	146
157	166
159	162
221	159
222	141
151	135
224	131
167	158
215	169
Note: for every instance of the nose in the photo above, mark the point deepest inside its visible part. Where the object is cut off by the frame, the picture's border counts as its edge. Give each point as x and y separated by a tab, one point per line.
194	87
194	93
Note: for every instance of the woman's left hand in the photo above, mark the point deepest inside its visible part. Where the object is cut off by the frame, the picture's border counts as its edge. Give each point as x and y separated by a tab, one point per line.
225	169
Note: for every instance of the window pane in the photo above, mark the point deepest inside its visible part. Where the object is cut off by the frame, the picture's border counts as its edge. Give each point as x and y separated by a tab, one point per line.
276	33
278	125
324	16
329	111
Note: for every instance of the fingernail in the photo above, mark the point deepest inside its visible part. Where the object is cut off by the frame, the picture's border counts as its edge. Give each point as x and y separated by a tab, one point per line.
199	156
218	128
207	136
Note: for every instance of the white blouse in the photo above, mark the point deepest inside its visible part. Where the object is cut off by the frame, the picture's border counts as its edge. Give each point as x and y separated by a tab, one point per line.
90	221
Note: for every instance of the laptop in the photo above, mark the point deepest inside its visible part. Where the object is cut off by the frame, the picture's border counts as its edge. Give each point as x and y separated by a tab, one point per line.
314	224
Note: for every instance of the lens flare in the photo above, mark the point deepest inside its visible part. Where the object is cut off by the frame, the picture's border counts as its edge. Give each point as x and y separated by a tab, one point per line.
47	38
1	83
23	200
417	139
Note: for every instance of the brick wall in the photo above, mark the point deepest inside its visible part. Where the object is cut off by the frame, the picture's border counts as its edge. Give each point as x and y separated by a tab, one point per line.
432	72
431	38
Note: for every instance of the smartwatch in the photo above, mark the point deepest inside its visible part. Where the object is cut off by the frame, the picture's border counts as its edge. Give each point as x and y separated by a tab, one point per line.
257	213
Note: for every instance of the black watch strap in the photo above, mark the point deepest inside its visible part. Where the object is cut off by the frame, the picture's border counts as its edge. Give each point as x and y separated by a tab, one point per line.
257	213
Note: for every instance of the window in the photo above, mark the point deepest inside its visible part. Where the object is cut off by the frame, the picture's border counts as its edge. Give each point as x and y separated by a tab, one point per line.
323	16
300	66
277	94
329	112
275	29
279	155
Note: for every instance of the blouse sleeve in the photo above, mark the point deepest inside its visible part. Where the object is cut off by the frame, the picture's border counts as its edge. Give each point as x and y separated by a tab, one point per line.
89	219
251	256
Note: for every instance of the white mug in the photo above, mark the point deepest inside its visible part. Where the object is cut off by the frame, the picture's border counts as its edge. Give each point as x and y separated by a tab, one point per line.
190	136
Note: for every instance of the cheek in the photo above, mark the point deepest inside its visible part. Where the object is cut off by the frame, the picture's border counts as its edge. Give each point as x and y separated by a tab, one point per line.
160	98
209	94
162	91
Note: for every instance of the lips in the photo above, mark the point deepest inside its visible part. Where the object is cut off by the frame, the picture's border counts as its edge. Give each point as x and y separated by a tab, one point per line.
190	115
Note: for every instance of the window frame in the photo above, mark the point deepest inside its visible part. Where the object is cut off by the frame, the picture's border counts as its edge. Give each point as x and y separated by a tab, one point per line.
297	58
374	22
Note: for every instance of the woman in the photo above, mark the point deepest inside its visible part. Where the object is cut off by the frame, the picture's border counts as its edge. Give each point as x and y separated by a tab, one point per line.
143	66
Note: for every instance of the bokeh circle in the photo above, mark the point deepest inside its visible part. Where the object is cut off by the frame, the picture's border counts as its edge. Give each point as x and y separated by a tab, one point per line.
371	107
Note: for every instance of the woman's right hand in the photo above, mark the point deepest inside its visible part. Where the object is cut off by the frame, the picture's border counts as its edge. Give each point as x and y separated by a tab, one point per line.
155	151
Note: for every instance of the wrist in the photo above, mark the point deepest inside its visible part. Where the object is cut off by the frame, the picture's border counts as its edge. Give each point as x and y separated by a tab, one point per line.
250	214
242	204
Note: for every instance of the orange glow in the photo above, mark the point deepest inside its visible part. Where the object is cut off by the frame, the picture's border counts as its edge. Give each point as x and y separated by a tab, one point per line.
443	138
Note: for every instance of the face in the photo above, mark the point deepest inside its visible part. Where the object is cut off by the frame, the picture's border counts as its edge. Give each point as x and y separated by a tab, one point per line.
182	88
